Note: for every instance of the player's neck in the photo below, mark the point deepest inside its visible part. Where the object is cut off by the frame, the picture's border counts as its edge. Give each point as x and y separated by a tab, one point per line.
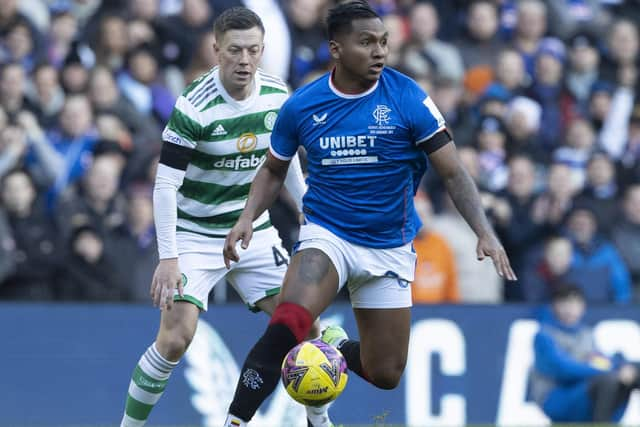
239	93
349	84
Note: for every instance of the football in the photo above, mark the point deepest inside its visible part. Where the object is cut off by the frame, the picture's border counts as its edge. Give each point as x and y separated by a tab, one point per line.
314	373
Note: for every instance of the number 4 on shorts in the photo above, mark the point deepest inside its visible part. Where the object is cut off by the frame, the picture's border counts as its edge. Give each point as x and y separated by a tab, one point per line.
278	257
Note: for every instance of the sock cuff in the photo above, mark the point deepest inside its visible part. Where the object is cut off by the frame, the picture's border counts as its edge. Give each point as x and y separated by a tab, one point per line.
295	317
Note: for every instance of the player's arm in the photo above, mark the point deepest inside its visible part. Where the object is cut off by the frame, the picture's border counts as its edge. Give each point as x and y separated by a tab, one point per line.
174	160
265	188
462	190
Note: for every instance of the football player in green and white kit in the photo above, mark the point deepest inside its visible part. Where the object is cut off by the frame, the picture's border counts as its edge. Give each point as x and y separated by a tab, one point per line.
216	139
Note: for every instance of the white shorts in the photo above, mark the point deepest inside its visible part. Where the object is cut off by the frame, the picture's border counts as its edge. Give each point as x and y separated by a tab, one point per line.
257	275
376	278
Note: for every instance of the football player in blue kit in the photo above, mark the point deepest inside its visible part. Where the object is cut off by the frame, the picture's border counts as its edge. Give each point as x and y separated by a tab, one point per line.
368	131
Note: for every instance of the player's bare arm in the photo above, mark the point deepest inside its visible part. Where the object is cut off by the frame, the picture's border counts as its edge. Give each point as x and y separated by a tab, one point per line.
464	194
265	188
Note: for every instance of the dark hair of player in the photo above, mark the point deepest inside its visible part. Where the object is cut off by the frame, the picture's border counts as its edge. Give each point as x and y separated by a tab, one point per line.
236	18
341	16
565	291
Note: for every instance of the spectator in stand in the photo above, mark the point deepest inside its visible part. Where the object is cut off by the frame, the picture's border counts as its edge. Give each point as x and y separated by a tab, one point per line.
531	26
572	380
136	239
20	46
569	16
600	103
600	192
13	147
95	200
13	80
626	235
623	48
511	215
7	247
481	44
308	41
63	31
547	90
424	24
74	75
106	98
37	255
629	162
510	72
436	279
140	82
613	134
581	72
550	266
552	207
92	272
491	140
398	37
185	29
577	149
203	60
523	122
609	279
48	96
112	45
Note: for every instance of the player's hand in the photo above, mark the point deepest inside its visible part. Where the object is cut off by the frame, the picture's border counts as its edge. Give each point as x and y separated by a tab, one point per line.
627	374
165	279
243	230
490	246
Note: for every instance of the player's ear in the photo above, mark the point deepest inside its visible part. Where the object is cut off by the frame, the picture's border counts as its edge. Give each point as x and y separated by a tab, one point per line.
334	49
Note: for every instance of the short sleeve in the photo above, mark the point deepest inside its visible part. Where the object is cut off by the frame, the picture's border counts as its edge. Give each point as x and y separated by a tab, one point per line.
424	117
183	127
284	137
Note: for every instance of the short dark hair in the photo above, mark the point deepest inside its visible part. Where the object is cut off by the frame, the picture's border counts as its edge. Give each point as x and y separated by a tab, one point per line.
341	16
565	291
236	18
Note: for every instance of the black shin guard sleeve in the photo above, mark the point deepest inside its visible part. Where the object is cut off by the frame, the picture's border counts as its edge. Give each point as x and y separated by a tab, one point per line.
261	371
351	351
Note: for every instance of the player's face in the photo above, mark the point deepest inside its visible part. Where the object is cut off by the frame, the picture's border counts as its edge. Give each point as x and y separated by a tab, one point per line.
362	53
570	310
239	53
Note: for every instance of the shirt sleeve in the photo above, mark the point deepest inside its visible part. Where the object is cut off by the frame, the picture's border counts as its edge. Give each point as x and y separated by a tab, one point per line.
425	120
284	137
183	127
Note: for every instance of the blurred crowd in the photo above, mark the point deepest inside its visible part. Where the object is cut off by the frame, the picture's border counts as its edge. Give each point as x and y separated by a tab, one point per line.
542	98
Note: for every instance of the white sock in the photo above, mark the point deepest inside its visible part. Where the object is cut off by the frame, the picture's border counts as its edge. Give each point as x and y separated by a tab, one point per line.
233	421
318	415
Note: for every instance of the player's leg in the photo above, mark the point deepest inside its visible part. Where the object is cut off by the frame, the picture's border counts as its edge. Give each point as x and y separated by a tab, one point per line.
608	395
151	374
309	286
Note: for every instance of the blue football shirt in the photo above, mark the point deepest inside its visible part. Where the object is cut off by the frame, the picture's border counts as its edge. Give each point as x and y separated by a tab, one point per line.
363	158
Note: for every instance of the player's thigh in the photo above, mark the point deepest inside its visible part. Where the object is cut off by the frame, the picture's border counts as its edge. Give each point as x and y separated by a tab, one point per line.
311	281
384	338
569	404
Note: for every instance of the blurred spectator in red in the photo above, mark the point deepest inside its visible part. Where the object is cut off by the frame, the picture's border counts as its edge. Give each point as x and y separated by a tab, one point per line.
626	234
609	279
37	255
480	44
600	192
436	278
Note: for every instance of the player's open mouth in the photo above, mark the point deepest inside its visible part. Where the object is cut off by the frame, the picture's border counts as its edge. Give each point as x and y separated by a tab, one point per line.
377	66
243	74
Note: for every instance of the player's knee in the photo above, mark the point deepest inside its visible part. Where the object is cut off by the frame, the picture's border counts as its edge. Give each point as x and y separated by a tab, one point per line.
172	346
295	317
386	376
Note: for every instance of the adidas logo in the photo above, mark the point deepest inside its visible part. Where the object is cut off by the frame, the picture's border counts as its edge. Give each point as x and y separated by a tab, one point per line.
219	130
